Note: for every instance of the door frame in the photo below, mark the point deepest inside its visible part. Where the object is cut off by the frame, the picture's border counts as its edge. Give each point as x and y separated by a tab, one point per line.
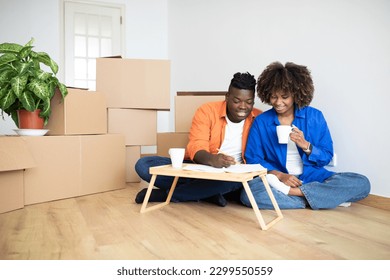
61	72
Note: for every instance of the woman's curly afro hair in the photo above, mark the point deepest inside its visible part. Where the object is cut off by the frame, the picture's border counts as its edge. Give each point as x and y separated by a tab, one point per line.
291	78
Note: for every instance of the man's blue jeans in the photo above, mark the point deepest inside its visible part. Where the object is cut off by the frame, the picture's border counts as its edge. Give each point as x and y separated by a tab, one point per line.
339	188
187	189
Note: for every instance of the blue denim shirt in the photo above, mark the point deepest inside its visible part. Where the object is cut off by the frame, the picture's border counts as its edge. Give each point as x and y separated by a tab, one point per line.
263	147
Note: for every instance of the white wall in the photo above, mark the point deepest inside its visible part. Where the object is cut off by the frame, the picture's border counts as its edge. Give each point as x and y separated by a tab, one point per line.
345	43
145	33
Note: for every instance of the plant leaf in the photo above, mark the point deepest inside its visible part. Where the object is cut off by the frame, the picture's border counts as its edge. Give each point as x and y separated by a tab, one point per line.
25	51
42	75
45	59
10	48
3	91
29	43
7	100
39	88
27	100
5	75
23	67
7	58
18	84
45	108
14	116
63	89
52	89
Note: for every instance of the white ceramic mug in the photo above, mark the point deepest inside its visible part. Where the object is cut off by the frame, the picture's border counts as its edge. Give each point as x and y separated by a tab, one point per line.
283	132
177	157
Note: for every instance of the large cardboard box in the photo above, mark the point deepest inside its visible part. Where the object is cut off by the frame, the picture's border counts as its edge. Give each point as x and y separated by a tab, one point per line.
133	154
134	83
168	140
71	166
14	158
138	126
81	112
186	106
57	172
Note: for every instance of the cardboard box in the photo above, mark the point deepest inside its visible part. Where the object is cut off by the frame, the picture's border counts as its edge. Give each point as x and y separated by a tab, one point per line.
71	166
81	112
14	158
134	83
57	173
11	190
133	154
138	126
186	106
168	140
103	163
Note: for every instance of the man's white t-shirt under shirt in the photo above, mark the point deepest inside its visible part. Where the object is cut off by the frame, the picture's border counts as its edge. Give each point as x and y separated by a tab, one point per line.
232	143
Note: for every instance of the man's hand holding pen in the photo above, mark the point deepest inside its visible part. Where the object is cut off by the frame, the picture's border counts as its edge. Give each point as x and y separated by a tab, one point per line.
224	160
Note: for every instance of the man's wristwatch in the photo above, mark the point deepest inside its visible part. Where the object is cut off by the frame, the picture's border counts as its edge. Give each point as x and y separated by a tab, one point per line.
309	148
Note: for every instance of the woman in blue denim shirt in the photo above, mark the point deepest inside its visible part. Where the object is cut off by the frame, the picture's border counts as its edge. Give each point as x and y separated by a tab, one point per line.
296	171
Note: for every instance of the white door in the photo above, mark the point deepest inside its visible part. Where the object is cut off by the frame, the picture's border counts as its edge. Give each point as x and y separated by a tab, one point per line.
91	31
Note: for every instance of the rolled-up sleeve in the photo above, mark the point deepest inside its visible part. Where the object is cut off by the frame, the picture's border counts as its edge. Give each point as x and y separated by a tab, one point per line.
200	133
321	139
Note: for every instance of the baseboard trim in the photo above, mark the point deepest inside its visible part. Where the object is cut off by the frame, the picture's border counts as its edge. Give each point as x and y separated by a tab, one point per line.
376	201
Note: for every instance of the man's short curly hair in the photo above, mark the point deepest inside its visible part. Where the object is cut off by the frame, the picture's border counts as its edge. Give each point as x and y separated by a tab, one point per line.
291	78
243	81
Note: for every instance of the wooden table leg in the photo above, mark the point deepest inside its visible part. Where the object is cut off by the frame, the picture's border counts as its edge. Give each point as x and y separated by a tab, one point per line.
149	191
271	196
172	189
252	200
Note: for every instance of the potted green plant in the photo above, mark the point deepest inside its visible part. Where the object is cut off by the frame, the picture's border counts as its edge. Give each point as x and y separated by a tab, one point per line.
23	84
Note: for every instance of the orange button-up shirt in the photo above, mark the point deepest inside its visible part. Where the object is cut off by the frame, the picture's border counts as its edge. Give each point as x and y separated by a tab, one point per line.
208	128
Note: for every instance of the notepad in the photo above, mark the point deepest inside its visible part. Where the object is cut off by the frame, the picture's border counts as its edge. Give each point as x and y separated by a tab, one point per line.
237	168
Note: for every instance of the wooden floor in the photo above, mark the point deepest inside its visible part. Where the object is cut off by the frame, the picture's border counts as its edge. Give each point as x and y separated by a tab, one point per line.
109	226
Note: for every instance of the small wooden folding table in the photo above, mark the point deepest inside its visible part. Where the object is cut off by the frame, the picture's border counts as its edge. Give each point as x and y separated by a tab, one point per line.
168	170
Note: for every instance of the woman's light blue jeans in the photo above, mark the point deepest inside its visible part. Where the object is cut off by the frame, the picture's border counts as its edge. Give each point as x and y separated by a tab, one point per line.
338	188
187	189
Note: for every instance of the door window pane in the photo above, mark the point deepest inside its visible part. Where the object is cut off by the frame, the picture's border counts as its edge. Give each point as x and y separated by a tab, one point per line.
93	47
80	83
91	69
106	47
106	26
80	46
93	25
80	68
80	24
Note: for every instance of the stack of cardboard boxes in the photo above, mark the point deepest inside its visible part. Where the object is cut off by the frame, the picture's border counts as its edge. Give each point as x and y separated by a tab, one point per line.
135	89
77	156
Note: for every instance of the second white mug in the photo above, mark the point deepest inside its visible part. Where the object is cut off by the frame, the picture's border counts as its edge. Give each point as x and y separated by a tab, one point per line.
177	157
283	132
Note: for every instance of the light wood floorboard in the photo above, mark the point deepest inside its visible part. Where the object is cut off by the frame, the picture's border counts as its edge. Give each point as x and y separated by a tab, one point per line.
109	226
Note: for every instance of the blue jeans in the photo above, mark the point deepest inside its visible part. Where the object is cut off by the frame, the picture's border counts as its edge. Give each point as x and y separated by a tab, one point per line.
187	189
338	188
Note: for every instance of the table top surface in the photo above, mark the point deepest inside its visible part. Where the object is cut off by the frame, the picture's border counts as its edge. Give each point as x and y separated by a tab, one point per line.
168	170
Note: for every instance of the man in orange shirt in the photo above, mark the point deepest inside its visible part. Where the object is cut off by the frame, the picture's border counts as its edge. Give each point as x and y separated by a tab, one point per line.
217	138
